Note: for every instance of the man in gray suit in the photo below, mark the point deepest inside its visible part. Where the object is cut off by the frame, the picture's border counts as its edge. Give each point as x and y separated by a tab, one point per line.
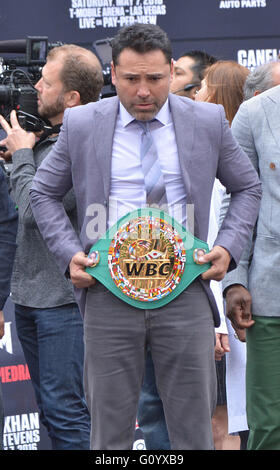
252	289
194	145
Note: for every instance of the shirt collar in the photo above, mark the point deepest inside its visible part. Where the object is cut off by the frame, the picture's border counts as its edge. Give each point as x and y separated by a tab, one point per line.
163	116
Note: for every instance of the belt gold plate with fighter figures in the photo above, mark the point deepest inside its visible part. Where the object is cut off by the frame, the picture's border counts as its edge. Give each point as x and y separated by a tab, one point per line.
147	258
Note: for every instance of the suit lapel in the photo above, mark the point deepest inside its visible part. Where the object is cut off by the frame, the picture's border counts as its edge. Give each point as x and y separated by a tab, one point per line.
183	119
184	125
104	127
271	106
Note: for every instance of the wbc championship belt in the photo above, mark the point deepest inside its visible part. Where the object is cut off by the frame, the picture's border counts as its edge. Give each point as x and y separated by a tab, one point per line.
149	260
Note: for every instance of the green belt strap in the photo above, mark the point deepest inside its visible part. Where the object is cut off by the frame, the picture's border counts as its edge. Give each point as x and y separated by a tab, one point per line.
147	258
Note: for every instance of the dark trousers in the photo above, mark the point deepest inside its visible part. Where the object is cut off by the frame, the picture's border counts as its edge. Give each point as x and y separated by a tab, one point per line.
181	338
150	414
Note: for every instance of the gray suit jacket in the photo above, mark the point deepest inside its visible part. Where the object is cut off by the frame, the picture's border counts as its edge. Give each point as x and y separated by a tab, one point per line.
257	128
82	157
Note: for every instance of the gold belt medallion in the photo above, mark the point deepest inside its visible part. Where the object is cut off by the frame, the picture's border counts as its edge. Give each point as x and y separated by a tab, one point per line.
147	258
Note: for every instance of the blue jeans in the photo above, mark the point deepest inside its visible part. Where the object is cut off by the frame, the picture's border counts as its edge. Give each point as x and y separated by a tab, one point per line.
150	415
52	342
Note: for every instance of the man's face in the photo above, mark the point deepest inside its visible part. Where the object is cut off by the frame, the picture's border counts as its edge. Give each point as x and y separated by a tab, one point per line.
142	82
183	75
51	103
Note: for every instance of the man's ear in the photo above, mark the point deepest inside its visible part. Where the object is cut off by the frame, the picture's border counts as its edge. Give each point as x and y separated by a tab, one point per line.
172	69
113	73
72	98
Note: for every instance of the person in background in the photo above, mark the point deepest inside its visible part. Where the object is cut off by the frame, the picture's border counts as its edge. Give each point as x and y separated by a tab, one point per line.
252	289
189	71
48	321
221	77
261	79
224	85
8	231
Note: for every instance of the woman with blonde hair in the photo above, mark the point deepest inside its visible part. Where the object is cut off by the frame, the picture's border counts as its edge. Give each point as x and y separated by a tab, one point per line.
223	84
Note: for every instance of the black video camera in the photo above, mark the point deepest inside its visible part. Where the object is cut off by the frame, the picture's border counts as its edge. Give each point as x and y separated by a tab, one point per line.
103	49
18	77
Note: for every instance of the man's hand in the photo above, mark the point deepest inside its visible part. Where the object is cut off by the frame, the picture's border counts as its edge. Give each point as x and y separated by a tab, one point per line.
240	333
2	324
238	307
17	138
6	155
222	346
77	266
219	257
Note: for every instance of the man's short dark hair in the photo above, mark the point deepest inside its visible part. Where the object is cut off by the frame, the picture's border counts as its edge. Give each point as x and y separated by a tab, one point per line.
200	56
202	60
141	38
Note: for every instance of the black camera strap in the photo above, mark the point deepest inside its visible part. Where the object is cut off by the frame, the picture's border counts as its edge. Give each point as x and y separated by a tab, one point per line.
49	131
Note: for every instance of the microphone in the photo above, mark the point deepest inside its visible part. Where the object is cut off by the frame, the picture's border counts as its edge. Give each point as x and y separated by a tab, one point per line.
188	87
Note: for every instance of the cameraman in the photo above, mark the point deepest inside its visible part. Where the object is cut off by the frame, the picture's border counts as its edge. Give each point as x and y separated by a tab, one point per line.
49	324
